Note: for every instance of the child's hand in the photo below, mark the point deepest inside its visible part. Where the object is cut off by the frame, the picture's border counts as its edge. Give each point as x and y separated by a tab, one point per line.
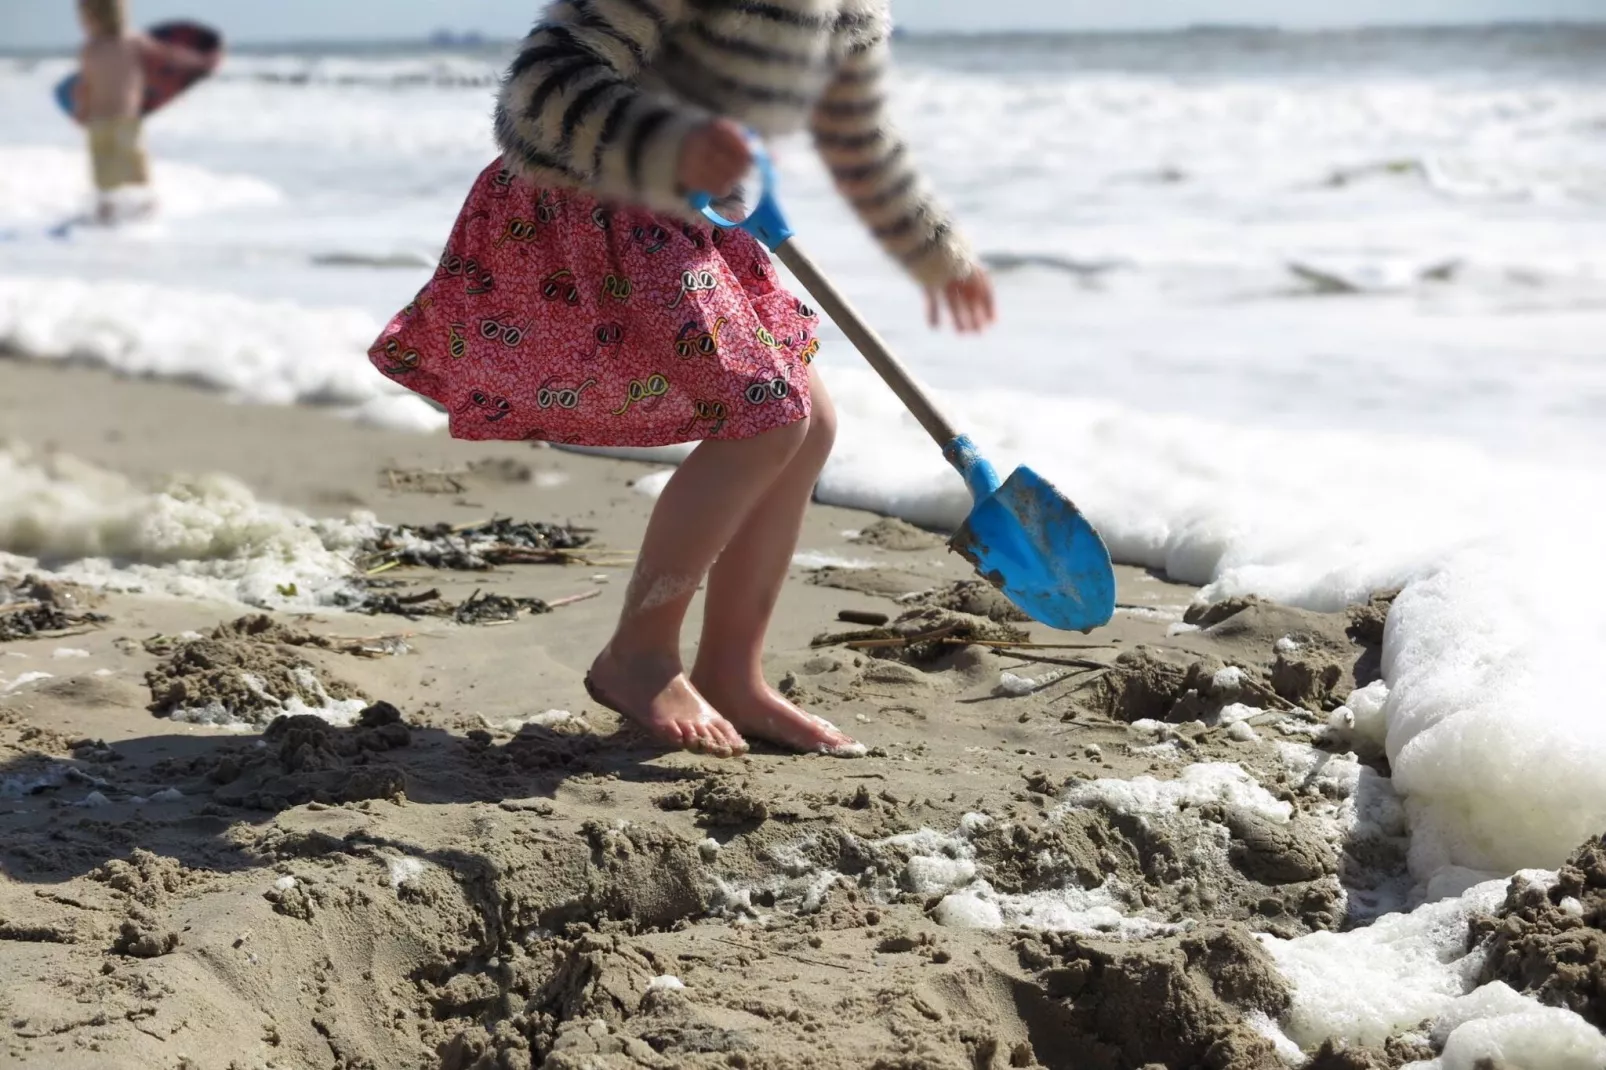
713	158
969	301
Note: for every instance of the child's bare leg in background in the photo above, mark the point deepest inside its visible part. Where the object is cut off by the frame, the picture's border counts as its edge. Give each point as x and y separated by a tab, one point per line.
702	506
743	588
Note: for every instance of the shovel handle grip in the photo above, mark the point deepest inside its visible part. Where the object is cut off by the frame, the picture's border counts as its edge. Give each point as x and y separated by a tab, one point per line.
867	342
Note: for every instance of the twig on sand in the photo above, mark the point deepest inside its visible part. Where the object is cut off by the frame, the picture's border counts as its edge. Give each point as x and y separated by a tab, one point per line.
903	640
559	603
829	690
65	633
1079	683
1041	659
1004	644
373	646
1266	694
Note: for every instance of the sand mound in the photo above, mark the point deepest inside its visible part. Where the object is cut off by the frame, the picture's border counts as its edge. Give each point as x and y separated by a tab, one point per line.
247	672
1174	1003
1551	943
309	760
890	533
978	598
1316	659
921	636
1156	685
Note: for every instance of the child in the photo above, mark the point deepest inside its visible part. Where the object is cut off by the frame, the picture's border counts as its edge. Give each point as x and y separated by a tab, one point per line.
580	301
111	88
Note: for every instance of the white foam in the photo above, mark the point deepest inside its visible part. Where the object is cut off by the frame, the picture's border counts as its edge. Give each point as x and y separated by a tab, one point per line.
341	713
1228	680
1095	911
652	484
266	352
62	652
945	864
544	719
1199	784
1362	816
204	537
404	868
814	560
44	184
1016	685
1366	706
666	983
942	864
24	680
1235	712
1362	985
18	785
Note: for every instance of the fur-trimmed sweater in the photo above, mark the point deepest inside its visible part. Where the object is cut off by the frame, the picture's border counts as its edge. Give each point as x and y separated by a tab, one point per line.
603	93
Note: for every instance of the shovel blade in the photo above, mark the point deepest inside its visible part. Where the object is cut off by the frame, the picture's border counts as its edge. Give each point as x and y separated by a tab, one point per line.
1030	542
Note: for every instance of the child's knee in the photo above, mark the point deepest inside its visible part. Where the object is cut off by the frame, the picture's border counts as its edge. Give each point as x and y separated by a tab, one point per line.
785	441
822	418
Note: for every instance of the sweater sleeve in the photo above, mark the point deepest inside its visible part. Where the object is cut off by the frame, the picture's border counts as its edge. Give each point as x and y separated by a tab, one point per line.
570	104
871	165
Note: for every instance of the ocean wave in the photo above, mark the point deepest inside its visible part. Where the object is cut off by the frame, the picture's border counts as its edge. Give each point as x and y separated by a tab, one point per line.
46	184
277	353
1494	178
1004	262
441	70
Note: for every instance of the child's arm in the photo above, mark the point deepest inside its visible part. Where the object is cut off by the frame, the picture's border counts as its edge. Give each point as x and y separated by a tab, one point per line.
569	103
873	169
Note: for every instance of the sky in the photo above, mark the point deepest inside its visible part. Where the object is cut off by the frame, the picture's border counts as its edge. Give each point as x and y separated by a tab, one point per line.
51	23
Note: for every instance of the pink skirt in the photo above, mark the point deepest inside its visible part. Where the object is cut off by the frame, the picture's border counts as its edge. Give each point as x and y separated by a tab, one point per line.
552	316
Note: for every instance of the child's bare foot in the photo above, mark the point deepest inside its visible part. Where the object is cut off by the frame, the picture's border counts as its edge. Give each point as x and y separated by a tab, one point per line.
655	694
761	712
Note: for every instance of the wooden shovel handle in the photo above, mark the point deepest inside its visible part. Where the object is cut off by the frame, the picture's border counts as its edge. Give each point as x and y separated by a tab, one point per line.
867	342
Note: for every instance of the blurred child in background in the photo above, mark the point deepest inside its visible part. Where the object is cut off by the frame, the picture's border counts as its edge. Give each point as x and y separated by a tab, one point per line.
111	89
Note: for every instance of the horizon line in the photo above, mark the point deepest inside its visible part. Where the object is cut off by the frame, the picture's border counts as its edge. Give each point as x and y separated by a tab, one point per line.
445	38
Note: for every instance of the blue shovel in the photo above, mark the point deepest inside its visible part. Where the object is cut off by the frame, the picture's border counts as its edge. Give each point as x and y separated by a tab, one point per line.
1022	535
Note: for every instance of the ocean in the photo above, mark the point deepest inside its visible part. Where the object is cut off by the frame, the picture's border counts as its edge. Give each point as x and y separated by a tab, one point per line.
1299	315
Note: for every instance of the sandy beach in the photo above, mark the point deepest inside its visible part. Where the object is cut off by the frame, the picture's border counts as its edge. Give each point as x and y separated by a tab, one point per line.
451	858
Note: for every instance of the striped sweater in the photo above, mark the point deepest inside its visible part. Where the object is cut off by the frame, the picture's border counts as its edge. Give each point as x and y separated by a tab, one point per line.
603	93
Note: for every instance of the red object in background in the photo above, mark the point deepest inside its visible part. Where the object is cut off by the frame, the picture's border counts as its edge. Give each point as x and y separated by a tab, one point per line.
175	56
178	55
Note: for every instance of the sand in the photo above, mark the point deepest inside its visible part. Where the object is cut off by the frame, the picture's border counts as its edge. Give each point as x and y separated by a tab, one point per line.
415	843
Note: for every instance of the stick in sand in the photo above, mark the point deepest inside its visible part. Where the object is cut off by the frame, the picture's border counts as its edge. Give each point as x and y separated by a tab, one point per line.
558	603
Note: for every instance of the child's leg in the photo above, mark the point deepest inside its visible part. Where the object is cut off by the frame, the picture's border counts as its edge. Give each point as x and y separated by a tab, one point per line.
742	591
700	510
